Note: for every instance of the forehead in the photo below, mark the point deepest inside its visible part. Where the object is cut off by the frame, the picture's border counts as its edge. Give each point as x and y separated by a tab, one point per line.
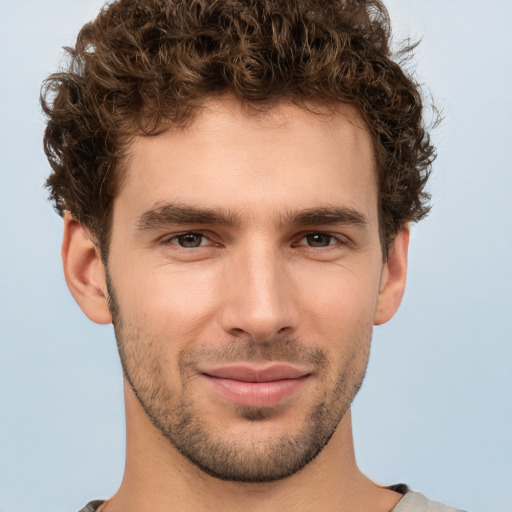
256	161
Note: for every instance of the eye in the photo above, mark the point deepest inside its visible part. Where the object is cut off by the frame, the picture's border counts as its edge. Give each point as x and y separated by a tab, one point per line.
188	240
318	240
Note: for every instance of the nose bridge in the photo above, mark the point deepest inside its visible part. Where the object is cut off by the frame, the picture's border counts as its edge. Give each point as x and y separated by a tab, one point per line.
260	297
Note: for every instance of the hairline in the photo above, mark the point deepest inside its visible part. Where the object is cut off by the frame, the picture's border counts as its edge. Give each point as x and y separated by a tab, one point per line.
317	107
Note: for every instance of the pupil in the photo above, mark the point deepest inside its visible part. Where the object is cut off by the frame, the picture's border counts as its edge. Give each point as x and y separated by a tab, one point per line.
190	240
318	240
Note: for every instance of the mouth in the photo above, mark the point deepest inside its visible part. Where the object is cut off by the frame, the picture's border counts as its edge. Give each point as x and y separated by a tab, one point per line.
251	386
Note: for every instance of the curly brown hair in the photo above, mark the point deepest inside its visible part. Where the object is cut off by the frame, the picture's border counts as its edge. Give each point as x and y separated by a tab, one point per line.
144	65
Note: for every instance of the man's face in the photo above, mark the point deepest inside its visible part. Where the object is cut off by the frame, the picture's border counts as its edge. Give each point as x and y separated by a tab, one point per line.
244	272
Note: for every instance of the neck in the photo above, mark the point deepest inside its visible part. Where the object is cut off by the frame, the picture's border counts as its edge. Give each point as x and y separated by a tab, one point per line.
158	478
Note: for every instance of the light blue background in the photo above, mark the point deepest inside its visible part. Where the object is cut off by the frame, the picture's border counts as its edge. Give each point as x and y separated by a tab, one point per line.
436	408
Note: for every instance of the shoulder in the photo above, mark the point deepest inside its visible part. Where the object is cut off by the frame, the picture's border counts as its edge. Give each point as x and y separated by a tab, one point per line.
92	506
417	502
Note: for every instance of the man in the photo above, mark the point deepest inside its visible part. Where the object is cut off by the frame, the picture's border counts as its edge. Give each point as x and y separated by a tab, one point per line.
237	180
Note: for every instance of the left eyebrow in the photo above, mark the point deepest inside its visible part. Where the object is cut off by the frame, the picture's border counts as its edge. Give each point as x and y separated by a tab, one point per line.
325	215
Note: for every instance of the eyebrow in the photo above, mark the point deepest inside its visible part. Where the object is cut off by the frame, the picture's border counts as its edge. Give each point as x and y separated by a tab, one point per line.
325	215
174	213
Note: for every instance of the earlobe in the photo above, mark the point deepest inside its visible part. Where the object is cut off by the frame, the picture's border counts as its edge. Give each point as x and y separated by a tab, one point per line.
394	276
84	271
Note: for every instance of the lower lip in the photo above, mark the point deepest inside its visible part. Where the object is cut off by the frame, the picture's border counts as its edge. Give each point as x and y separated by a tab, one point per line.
257	394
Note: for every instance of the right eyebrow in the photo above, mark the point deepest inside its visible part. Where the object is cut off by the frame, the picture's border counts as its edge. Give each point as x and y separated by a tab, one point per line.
173	213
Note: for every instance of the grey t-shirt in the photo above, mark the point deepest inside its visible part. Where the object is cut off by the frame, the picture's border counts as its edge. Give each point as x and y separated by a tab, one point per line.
411	502
416	502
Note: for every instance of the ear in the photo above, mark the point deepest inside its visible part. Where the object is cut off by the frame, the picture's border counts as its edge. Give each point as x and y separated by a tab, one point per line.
394	275
84	271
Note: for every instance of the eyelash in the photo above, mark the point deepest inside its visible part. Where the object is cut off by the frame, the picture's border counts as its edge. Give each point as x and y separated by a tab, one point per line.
337	239
332	238
173	238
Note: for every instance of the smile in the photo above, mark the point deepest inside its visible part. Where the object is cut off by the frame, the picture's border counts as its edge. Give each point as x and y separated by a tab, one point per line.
251	387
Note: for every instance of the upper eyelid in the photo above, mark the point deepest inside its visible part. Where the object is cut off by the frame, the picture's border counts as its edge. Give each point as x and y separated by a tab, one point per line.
341	238
338	236
184	232
174	236
171	237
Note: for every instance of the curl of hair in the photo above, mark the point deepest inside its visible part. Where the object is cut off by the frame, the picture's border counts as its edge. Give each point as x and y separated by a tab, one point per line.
144	65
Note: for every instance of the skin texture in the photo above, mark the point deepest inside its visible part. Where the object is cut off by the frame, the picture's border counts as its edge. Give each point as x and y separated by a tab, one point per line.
282	265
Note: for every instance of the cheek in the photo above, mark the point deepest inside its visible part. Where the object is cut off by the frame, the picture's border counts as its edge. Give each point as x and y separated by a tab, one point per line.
168	301
337	301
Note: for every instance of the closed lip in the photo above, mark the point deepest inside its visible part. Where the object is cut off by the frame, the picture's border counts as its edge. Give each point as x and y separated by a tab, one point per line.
253	386
254	374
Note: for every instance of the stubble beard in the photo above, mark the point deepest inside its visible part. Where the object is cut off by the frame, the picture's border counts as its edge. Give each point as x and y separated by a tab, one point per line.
224	456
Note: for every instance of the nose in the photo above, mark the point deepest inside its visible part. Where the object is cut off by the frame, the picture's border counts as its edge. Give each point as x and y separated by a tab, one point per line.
260	298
